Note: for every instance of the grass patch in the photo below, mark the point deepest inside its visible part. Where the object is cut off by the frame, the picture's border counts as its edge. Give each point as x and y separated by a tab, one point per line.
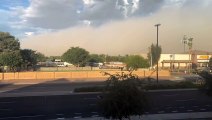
171	85
176	85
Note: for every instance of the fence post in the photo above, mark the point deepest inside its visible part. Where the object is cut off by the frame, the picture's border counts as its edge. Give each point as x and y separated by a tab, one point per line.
54	75
144	73
70	75
36	75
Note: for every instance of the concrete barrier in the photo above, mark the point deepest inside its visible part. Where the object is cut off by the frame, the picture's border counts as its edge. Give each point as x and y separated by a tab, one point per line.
75	75
45	75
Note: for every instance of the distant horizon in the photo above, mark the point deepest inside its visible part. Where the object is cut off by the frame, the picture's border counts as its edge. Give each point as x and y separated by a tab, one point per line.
108	26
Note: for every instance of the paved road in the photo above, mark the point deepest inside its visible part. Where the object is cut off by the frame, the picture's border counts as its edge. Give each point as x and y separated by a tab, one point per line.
179	102
85	105
45	87
43	107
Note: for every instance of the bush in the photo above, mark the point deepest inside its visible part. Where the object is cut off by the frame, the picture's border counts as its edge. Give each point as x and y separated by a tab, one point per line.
208	81
123	97
174	85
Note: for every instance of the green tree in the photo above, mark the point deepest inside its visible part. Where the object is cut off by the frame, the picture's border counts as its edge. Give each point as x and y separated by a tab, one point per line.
75	55
118	58
40	57
124	97
136	61
208	81
29	58
95	58
8	42
9	51
52	58
11	59
154	54
210	63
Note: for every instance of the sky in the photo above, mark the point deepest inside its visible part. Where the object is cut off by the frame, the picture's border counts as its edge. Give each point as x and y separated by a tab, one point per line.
113	27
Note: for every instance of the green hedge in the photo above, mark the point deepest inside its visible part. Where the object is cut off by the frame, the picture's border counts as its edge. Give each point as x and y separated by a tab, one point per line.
175	85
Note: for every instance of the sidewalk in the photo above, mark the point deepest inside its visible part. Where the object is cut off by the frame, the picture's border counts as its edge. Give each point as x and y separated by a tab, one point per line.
171	116
61	80
64	80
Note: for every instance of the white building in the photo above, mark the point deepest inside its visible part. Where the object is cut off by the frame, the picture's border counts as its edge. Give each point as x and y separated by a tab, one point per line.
174	60
177	61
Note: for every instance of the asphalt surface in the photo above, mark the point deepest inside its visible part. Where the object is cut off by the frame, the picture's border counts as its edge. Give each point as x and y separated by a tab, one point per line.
86	105
55	100
179	102
62	85
48	107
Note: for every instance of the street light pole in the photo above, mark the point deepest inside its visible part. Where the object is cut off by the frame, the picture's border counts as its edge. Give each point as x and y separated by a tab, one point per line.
157	25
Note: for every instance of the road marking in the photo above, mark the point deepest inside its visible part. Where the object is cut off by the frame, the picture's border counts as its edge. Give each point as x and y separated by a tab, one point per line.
60	118
90	98
5	109
202	109
170	94
184	100
77	117
189	110
208	105
146	112
6	102
174	111
161	111
95	116
6	118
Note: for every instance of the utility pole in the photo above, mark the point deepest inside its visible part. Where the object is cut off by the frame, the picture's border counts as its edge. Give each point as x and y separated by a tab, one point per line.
150	51
190	40
184	41
157	25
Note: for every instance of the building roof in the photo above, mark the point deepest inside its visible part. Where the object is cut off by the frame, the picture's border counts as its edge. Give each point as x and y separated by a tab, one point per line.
176	61
200	52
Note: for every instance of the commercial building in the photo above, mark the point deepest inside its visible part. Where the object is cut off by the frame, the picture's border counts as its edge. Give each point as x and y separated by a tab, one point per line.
184	61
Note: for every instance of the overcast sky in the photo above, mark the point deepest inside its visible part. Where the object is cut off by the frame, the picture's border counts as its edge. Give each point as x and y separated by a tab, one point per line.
107	26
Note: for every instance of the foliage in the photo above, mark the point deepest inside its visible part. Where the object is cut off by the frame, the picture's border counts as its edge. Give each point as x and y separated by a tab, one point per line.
95	58
118	58
40	57
136	61
76	56
208	81
154	54
210	63
124	97
174	85
8	42
9	51
52	58
29	57
147	85
11	59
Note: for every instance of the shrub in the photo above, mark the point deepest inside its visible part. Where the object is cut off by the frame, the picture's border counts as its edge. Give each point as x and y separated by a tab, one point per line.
208	81
123	97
